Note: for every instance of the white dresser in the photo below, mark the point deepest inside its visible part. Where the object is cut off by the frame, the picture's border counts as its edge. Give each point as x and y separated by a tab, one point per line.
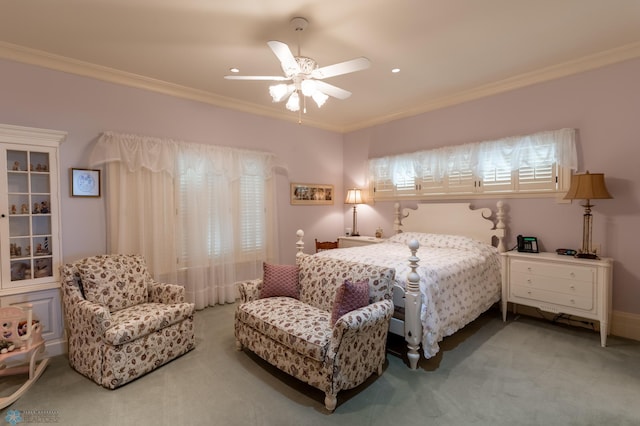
344	242
559	284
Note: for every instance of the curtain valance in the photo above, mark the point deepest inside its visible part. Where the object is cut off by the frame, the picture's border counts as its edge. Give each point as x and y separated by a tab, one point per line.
168	155
509	154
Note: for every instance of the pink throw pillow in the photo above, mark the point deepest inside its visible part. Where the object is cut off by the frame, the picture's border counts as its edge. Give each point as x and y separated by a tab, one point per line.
349	297
279	280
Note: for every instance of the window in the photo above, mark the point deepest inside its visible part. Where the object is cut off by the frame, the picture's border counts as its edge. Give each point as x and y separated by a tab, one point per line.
224	218
540	163
252	214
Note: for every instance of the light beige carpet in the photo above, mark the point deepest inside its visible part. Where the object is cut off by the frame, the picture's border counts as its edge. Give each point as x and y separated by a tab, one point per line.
524	372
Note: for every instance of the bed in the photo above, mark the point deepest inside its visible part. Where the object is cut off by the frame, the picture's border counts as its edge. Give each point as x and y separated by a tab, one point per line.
447	261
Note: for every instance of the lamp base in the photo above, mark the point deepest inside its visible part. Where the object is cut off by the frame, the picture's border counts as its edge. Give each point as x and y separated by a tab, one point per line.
355	234
587	256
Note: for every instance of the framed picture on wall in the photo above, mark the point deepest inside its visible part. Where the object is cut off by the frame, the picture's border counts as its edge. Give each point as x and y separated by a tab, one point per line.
311	194
85	183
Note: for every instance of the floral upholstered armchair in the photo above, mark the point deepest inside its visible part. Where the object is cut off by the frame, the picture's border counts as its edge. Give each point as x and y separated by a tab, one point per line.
323	321
121	324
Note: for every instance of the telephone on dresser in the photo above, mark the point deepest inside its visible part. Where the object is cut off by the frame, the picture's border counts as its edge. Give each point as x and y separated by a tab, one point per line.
527	244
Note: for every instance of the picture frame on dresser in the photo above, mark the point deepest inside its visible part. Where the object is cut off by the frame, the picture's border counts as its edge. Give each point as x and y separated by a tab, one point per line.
85	183
311	194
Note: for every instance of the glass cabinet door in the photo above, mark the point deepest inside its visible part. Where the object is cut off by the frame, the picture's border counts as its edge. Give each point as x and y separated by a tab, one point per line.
29	196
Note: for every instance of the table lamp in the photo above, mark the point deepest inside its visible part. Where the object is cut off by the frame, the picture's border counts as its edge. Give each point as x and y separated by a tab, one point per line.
354	196
587	186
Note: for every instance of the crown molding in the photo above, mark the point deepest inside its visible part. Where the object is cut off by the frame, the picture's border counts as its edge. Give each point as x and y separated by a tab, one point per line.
586	63
43	59
60	63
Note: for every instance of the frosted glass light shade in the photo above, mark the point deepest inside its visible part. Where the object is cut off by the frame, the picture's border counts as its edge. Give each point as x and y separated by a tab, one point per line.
293	104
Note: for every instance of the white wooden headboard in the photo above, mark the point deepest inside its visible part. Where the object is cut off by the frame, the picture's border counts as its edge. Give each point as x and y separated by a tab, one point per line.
454	219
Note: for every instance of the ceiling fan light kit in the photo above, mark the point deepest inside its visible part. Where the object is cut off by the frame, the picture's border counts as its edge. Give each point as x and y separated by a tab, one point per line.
304	75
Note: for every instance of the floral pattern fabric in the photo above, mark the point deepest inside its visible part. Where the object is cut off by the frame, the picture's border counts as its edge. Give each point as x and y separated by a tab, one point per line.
114	348
297	336
117	281
460	278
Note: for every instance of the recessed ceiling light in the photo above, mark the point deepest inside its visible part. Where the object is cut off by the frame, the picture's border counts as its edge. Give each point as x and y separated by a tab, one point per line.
235	70
395	70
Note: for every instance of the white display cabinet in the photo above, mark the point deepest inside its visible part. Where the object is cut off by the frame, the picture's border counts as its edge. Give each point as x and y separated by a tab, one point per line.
30	241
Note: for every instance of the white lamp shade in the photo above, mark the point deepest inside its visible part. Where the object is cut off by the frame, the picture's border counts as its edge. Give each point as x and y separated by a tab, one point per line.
320	98
279	92
293	104
354	196
308	87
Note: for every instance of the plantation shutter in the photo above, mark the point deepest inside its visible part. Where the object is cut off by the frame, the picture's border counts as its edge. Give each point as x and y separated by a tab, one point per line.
536	163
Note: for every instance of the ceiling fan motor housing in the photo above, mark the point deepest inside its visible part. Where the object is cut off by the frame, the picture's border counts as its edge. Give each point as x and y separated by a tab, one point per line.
307	65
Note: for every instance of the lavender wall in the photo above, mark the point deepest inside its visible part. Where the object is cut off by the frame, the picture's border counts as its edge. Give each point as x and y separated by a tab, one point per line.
602	104
83	107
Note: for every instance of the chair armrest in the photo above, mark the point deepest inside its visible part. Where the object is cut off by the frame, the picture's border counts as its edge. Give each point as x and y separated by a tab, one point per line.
249	290
165	293
88	314
366	328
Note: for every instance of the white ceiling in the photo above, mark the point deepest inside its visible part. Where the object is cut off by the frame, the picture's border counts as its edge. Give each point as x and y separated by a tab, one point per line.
449	51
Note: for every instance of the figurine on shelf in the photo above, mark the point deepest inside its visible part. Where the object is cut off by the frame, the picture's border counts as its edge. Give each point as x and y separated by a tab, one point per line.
36	208
24	209
28	250
18	271
42	268
39	167
39	249
16	165
12	250
13	209
44	207
45	168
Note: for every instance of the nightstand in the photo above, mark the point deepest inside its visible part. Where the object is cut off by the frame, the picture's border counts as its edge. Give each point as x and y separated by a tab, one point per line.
559	284
344	242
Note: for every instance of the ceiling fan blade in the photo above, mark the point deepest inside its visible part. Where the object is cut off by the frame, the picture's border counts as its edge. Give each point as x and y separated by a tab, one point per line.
287	60
256	77
346	67
331	90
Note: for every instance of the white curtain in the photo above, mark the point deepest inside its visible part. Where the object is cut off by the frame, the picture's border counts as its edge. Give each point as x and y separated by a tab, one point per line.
512	153
203	216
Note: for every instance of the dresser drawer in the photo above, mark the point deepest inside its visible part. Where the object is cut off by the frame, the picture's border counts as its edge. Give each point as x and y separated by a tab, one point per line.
533	295
547	269
559	285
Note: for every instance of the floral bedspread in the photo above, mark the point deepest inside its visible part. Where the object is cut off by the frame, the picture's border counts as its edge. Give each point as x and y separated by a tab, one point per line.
460	278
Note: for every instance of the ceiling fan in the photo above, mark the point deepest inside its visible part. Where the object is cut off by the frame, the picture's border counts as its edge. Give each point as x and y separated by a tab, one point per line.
304	75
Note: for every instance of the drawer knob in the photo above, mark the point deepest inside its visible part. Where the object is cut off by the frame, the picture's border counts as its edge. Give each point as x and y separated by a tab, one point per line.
572	275
529	268
572	287
529	293
528	280
573	301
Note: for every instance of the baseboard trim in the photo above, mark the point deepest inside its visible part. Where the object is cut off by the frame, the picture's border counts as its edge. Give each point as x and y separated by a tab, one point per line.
625	324
55	347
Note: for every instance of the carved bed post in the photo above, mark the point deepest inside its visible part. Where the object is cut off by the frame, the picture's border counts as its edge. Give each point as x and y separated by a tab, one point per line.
299	243
500	226
397	220
412	307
